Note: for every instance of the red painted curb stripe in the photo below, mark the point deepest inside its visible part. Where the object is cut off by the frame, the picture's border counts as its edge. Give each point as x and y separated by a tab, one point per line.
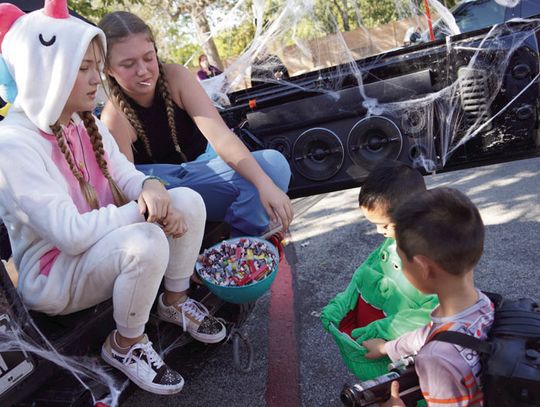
282	384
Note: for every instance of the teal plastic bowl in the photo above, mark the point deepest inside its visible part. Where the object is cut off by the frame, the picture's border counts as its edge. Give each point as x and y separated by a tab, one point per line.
246	293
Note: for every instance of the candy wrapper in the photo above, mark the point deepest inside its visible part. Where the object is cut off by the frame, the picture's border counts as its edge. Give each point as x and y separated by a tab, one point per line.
237	262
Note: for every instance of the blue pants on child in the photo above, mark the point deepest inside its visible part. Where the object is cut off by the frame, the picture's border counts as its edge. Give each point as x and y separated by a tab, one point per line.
227	195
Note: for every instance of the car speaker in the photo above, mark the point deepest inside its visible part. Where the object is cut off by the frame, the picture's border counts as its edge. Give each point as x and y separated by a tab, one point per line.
373	139
318	154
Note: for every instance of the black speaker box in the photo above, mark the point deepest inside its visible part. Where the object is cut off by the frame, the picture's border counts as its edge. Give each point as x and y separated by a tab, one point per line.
331	141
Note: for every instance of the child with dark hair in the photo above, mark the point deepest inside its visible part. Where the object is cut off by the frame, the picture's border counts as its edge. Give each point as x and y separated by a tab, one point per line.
83	223
440	239
379	301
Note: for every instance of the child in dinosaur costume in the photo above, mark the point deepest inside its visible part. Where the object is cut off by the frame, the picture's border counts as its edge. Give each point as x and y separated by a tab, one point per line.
379	302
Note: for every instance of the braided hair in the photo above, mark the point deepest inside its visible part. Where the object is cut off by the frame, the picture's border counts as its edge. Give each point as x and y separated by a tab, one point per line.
117	26
89	192
87	189
97	145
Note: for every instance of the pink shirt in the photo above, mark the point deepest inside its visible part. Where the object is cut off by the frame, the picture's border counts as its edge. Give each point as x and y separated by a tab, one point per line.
79	144
449	375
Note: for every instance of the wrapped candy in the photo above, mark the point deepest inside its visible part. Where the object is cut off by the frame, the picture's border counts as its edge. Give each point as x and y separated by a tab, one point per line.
239	262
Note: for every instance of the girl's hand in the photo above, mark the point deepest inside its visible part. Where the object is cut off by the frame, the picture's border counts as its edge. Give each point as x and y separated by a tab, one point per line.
394	400
174	223
154	200
375	348
277	205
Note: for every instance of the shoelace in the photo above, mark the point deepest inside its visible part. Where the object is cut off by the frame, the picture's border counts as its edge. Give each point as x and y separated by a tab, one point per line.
194	308
145	348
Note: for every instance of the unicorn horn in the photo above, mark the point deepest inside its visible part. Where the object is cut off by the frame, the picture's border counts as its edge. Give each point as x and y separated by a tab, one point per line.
56	8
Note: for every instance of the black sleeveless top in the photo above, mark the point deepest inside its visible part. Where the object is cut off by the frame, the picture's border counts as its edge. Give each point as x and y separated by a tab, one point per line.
156	126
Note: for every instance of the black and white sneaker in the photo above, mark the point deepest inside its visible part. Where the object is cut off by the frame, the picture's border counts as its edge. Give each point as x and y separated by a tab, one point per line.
143	366
194	318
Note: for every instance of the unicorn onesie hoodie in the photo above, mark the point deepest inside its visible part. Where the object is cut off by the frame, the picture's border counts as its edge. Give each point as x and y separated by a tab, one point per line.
41	203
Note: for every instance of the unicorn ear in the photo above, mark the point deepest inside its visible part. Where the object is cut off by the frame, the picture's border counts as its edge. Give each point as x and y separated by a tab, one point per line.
8	87
8	14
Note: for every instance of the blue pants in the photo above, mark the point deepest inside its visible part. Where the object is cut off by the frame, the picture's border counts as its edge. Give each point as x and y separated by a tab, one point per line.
227	195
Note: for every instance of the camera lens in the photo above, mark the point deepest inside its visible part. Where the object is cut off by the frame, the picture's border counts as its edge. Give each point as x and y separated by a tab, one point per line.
348	397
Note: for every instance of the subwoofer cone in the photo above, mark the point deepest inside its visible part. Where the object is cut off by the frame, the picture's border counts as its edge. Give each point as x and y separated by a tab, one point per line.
373	139
281	144
318	154
413	122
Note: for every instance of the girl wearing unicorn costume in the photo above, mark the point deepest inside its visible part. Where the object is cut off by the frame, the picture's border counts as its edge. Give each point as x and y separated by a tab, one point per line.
84	224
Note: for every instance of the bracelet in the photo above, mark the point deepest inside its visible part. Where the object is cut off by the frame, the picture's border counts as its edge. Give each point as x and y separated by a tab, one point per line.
152	177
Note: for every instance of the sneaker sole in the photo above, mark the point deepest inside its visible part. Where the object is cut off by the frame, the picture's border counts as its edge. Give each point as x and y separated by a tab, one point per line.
155	390
197	336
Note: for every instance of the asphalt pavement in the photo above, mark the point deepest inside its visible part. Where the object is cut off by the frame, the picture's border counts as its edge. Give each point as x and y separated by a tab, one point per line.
326	244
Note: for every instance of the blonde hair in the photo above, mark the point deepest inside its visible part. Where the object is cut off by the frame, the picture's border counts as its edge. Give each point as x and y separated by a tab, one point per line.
87	189
117	26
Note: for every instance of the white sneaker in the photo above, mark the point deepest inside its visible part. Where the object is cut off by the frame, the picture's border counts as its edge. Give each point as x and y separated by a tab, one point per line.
194	318
143	366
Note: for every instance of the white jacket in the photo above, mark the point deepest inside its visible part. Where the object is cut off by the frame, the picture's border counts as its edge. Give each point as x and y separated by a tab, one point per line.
35	204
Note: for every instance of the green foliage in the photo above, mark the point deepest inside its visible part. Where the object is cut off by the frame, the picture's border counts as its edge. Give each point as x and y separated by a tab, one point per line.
177	45
331	15
95	10
343	15
375	13
325	13
183	53
233	42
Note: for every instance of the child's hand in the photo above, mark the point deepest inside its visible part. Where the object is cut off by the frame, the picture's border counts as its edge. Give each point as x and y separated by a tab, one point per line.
375	348
174	223
155	200
394	400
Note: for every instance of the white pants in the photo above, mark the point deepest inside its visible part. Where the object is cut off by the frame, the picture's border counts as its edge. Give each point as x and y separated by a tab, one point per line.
127	265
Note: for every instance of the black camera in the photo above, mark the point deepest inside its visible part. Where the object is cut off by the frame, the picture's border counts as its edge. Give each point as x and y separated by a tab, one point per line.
377	390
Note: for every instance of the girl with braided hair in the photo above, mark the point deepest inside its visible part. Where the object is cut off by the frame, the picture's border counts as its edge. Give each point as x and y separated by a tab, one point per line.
84	224
164	121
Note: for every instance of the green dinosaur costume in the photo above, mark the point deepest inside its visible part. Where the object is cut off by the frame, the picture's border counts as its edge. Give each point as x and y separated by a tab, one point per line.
378	303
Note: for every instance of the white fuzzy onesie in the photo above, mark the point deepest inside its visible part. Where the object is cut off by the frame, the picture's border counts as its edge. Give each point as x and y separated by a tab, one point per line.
68	256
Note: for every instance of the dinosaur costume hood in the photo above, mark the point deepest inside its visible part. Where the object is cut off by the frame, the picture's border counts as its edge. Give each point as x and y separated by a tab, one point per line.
380	283
42	52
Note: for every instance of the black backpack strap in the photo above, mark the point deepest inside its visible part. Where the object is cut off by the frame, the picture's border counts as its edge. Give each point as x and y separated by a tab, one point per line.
495	298
464	340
